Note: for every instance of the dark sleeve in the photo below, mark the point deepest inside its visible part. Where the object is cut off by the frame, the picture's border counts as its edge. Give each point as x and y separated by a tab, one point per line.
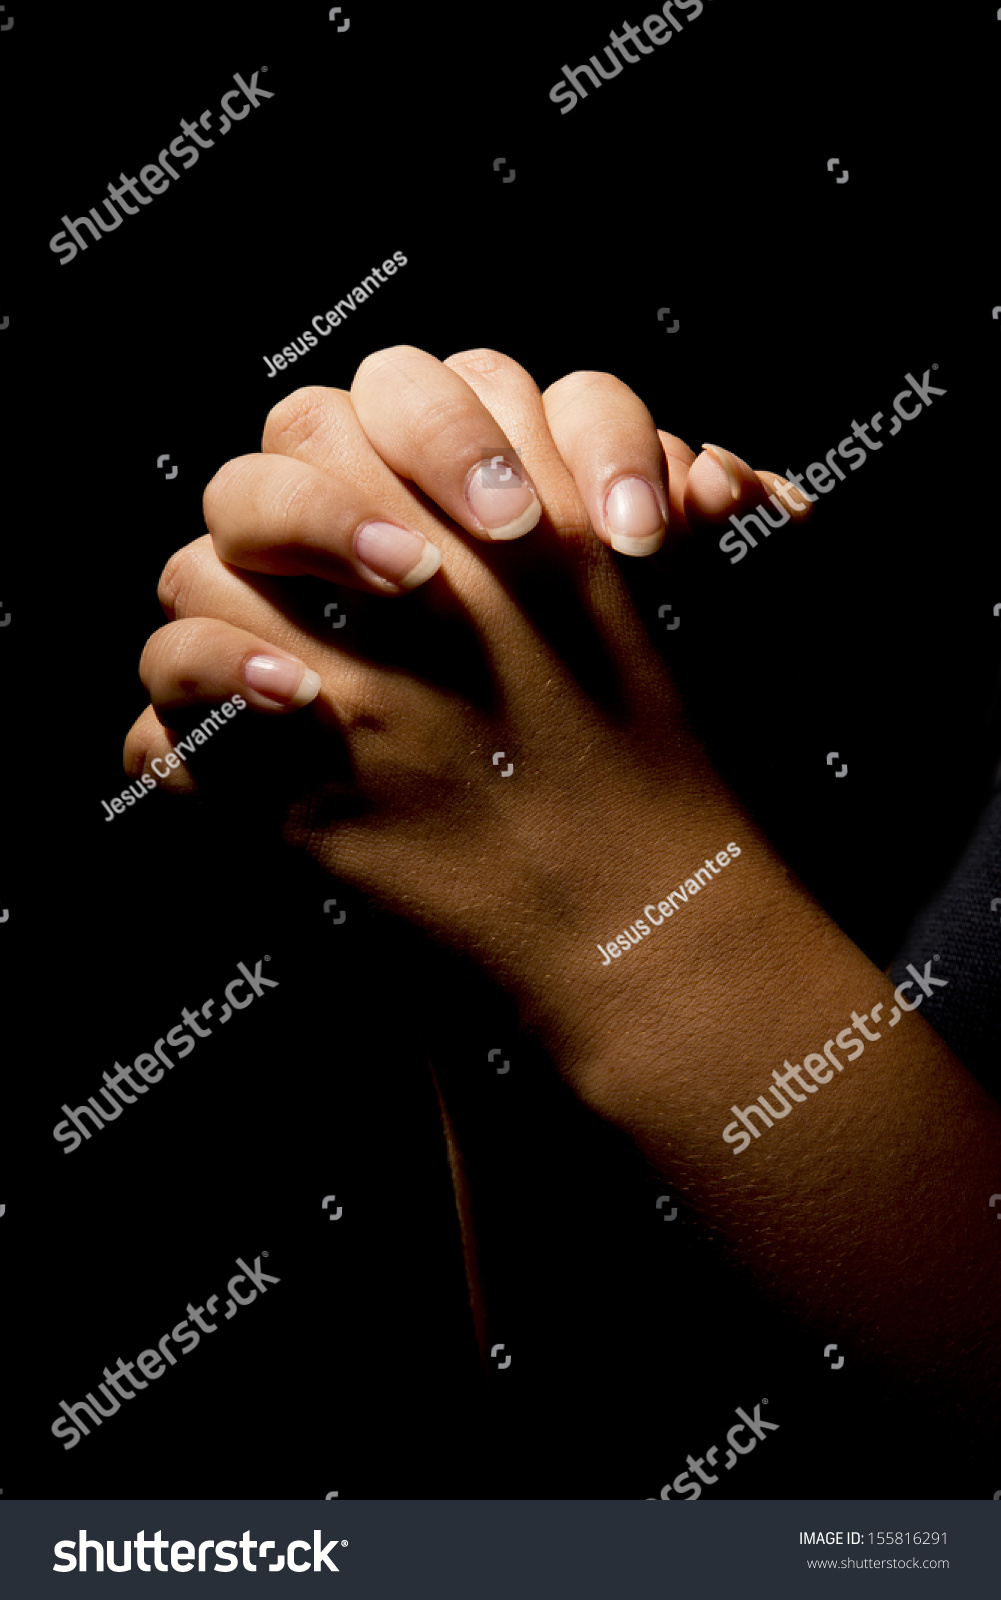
960	928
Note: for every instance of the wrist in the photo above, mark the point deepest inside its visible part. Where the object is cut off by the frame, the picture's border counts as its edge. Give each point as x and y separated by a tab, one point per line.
667	946
686	1007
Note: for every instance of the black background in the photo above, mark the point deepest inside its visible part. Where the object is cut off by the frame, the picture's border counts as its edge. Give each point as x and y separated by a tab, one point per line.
696	180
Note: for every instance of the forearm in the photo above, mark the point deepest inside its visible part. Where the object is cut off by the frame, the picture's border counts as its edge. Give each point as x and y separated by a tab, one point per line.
865	1206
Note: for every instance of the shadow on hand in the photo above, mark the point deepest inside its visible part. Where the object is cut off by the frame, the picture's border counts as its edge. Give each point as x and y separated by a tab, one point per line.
263	765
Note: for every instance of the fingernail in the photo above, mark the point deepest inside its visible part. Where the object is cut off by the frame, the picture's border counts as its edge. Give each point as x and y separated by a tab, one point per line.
396	554
633	517
501	498
288	682
724	459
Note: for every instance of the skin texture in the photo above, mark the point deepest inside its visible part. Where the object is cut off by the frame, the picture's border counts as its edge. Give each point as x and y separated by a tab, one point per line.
865	1210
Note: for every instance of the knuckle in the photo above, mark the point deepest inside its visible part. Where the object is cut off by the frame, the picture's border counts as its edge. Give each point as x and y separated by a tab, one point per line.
168	590
485	362
571	389
293	421
172	651
173	588
299	505
447	426
378	360
151	653
218	488
140	742
381	366
133	753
